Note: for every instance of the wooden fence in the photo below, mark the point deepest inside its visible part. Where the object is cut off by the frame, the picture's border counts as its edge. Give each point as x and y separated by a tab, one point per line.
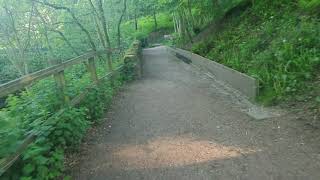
57	71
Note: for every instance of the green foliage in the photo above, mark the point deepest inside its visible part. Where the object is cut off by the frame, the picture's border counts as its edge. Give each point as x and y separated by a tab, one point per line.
8	134
146	26
44	159
97	101
203	47
276	45
310	5
35	111
7	72
59	127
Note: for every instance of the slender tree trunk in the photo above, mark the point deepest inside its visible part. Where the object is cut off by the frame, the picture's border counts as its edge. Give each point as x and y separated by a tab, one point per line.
105	30
179	25
97	20
27	44
52	55
184	26
99	32
155	20
174	23
22	64
190	13
46	33
119	23
135	21
187	29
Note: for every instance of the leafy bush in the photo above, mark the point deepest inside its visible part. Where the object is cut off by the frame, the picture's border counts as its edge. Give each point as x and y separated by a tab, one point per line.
58	127
44	159
8	134
203	47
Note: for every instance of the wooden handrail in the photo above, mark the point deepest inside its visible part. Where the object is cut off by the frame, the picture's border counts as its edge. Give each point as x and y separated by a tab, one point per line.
9	161
58	72
18	84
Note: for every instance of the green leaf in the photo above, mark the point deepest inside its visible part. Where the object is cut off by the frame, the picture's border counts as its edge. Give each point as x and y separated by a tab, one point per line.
26	178
28	169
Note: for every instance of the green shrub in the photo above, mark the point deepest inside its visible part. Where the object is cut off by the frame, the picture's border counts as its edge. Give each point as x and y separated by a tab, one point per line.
59	128
8	134
202	48
44	159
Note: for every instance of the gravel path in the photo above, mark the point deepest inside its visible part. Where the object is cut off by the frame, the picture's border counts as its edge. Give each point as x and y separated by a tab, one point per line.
178	124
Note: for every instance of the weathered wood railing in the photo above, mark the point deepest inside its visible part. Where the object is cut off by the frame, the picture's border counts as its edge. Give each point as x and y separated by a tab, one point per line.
132	63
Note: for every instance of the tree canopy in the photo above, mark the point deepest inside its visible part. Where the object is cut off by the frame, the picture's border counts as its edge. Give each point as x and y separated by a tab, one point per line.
275	41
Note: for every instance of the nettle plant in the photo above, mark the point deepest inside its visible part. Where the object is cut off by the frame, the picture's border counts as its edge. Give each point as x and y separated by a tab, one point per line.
59	128
44	159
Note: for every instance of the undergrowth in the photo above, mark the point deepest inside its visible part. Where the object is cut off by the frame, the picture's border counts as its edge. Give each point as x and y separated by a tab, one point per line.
59	127
276	42
146	26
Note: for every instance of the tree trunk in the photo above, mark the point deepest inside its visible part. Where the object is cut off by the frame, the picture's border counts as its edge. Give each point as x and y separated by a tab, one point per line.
190	13
19	57
174	23
105	30
135	21
184	26
96	21
155	20
119	23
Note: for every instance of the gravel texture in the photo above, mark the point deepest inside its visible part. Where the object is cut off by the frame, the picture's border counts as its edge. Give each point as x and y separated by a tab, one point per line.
177	123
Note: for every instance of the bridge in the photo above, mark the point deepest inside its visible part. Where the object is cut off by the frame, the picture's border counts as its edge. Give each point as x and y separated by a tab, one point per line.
178	121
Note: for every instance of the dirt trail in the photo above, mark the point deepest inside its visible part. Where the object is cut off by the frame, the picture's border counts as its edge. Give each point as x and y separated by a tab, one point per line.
177	124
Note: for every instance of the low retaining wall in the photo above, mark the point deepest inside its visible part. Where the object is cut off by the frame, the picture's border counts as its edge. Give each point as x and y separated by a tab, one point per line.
247	85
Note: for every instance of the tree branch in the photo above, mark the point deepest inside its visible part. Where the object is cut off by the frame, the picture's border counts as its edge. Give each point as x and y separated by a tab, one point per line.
58	7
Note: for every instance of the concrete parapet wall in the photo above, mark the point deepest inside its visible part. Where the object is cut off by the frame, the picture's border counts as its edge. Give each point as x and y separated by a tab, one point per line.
247	85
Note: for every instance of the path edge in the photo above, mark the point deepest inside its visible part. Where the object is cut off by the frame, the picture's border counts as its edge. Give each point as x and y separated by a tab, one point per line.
247	85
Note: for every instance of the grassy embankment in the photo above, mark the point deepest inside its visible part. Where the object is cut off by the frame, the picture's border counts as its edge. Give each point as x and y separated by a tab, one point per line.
276	42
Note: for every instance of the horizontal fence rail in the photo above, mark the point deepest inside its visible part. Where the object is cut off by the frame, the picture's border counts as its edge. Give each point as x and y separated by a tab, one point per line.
24	81
58	72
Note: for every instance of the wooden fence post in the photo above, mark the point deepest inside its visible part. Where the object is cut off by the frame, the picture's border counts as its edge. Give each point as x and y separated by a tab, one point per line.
110	67
61	85
92	70
140	59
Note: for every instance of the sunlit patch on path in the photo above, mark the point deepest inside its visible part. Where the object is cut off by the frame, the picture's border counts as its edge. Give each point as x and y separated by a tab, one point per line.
174	152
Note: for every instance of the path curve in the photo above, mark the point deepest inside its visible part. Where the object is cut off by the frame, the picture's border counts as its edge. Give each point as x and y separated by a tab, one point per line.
178	124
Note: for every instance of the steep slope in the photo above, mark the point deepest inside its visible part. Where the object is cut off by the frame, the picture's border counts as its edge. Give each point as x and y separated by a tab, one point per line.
275	41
